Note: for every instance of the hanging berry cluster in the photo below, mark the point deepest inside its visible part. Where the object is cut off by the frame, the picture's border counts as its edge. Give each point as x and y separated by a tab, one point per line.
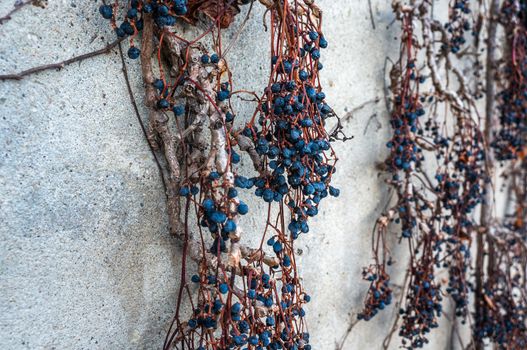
510	141
435	214
239	297
503	319
458	24
165	14
404	156
288	128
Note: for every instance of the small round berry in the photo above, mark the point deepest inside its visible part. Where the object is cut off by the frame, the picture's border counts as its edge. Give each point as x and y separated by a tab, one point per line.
232	193
195	278
134	52
106	11
162	10
218	217
178	110
171	20
235	158
181	9
211	279
139	25
214	175
158	84
184	191
162	104
243	208
313	35
127	28
132	13
253	340
236	308
120	33
208	204
224	288
288	67
223	95
230	226
323	43
205	59
214	58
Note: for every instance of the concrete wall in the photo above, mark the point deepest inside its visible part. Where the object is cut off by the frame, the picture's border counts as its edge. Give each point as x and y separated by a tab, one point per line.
86	261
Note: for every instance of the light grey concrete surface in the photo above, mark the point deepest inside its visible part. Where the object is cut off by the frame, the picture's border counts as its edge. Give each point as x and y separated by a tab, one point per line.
86	261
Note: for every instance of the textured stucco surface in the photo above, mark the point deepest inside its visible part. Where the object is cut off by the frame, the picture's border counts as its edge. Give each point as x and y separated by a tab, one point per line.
86	261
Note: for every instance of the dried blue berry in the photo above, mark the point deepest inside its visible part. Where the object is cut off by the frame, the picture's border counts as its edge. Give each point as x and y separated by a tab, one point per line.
106	11
134	53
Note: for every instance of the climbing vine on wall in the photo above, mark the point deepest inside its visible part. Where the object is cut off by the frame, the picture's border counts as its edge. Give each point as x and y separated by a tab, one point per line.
239	295
504	319
448	151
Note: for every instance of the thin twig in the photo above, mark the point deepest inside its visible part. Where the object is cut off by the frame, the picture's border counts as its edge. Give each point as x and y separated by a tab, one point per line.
138	115
60	65
239	31
371	14
379	125
352	324
18	6
349	115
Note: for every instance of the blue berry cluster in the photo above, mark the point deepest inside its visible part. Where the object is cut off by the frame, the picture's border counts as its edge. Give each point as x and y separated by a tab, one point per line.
460	188
165	13
290	135
404	158
505	322
502	315
458	287
414	212
438	215
219	211
510	140
246	330
405	124
379	294
458	24
460	192
423	307
405	154
256	301
276	296
298	162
